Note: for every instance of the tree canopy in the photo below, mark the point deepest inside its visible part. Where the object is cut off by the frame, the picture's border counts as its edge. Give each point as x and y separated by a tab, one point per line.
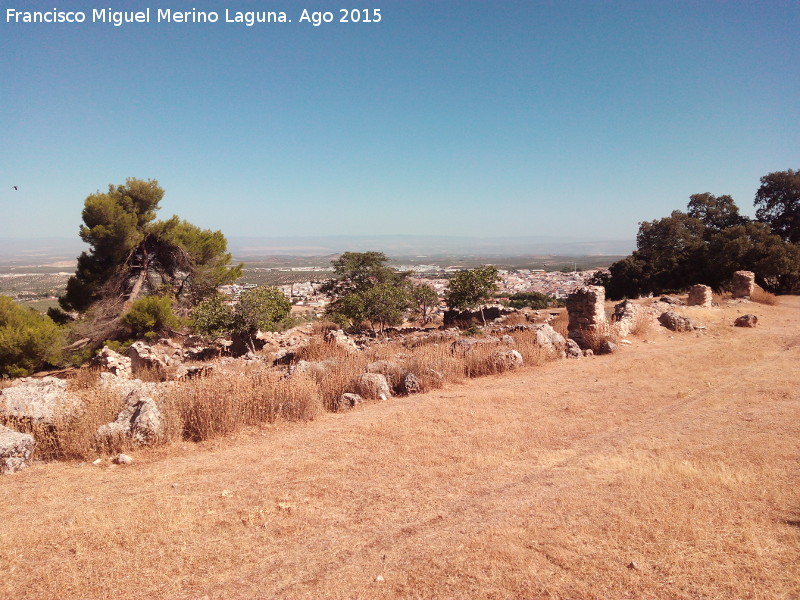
365	288
28	339
711	241
130	252
778	203
470	290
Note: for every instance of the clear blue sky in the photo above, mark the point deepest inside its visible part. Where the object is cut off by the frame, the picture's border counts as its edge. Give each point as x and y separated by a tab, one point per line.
559	118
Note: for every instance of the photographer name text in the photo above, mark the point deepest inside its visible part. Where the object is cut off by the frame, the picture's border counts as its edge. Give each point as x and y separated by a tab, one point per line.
119	18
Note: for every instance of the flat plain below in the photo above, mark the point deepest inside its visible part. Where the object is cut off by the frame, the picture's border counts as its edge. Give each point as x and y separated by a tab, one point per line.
670	469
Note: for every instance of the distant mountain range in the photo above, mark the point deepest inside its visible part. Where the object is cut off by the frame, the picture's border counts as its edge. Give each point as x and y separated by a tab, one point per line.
55	249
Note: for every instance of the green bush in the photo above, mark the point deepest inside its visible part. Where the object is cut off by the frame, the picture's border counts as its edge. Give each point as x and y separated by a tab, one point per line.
535	300
261	308
151	315
28	339
212	317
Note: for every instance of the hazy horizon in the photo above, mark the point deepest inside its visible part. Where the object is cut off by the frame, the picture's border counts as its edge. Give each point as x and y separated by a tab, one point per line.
244	247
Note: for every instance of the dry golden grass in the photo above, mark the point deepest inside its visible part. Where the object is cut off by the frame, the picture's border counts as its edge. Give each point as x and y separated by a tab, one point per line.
762	296
560	323
668	471
602	333
643	323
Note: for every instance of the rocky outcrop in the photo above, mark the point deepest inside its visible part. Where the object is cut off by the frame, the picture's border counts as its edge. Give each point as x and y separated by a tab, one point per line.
347	401
549	339
140	420
43	401
507	360
586	310
340	339
146	358
700	295
113	362
746	321
572	350
625	315
675	322
743	284
410	384
373	386
15	450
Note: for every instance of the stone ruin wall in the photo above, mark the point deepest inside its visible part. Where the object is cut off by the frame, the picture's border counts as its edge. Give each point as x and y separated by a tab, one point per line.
744	282
586	310
700	295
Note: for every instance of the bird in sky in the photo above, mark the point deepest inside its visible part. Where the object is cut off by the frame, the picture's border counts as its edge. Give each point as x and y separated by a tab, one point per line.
15	187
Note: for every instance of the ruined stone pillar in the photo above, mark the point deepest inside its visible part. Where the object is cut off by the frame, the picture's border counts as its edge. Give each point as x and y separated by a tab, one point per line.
699	295
744	282
586	310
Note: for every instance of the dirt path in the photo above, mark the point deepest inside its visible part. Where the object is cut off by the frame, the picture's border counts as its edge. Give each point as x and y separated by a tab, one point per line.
668	470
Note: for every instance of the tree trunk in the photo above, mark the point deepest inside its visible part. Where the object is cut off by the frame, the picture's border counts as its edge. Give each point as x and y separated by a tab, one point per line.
137	285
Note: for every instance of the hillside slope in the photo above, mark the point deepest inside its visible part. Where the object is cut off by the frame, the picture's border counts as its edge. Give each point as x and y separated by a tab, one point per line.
667	470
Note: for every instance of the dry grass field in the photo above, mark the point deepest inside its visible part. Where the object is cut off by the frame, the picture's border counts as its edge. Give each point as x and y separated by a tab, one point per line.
670	469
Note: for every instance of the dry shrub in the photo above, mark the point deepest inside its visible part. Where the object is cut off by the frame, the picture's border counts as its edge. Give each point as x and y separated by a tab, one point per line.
643	323
218	405
73	437
84	378
317	349
338	377
532	353
481	360
602	333
718	298
561	324
516	318
763	297
434	365
322	327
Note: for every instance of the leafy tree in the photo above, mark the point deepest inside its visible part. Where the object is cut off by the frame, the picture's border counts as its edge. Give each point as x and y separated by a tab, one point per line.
424	300
150	316
753	247
778	203
671	251
260	308
28	339
212	317
470	290
709	243
358	272
716	213
385	304
365	288
131	252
